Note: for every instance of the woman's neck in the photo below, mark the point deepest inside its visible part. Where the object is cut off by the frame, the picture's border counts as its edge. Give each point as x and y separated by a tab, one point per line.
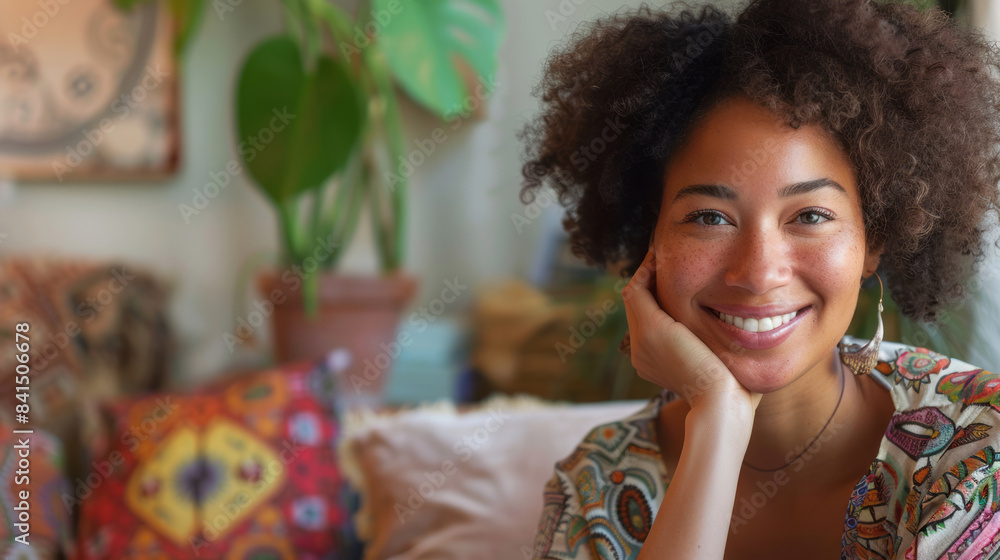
789	419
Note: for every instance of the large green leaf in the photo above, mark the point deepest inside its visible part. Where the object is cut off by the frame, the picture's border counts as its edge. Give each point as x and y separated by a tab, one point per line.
421	38
312	119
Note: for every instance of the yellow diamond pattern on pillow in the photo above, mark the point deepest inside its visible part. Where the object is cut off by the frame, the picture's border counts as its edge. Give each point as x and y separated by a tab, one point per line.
209	481
253	470
151	491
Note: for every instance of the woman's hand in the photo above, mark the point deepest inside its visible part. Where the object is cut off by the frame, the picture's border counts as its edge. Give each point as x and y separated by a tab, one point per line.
667	353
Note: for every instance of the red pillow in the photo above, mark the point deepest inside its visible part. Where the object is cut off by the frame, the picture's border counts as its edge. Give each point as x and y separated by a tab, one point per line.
242	470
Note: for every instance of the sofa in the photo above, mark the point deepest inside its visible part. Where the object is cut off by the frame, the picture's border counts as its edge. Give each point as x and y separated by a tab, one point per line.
268	463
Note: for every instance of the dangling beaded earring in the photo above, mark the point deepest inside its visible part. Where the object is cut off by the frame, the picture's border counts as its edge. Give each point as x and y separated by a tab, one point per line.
862	359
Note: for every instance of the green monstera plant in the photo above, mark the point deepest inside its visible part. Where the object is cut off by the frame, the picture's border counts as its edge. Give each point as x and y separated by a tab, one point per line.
334	76
318	103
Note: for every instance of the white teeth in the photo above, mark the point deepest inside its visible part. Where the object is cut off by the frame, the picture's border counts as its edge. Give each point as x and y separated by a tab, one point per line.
758	325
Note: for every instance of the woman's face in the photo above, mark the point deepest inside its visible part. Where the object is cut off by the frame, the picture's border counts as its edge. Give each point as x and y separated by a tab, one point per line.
761	225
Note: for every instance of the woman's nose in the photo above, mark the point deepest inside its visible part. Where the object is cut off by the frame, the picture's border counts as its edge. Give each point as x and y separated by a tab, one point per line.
759	261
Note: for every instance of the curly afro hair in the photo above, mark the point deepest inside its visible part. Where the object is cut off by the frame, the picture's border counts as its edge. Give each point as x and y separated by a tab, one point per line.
911	97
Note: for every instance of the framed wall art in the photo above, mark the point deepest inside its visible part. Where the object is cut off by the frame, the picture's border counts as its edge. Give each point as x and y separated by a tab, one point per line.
87	91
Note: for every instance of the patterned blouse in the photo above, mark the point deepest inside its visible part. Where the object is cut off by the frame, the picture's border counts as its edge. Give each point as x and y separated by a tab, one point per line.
931	492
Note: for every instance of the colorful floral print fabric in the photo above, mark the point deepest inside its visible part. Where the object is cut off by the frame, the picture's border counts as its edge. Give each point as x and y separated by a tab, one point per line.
931	492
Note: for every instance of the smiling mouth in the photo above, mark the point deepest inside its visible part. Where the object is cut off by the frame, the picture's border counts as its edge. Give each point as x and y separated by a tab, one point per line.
756	325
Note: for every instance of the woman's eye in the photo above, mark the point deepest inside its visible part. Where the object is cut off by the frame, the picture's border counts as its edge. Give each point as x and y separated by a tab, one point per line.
812	217
709	219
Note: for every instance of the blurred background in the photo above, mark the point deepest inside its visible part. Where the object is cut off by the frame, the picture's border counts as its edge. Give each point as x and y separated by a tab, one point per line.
300	199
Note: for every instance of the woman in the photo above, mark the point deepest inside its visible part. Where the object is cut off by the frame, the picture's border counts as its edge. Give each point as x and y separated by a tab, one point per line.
754	172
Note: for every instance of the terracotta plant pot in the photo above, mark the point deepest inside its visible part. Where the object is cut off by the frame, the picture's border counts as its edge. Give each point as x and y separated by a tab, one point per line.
360	313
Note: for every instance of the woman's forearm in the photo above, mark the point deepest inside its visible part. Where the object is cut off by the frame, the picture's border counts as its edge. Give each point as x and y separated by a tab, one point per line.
693	519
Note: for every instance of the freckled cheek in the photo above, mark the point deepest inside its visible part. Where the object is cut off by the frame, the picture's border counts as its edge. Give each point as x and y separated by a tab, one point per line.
833	268
682	271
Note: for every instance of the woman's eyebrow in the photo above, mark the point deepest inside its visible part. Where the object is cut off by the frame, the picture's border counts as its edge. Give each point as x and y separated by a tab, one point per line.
809	186
715	191
727	193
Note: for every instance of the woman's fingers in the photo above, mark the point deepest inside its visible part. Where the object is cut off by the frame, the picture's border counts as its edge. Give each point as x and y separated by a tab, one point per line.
641	307
637	292
664	351
642	312
643	280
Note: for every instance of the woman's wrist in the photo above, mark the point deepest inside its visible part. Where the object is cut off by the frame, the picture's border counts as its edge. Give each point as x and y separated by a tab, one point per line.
694	516
726	416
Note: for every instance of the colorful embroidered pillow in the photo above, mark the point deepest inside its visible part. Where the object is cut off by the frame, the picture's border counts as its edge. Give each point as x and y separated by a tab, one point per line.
39	526
243	470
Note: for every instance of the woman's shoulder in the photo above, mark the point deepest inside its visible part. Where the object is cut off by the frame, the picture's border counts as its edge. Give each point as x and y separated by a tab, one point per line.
942	403
934	483
612	483
920	378
608	445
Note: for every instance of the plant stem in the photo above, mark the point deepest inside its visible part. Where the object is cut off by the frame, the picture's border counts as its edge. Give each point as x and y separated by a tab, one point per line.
381	237
293	19
288	217
350	222
376	81
393	256
338	21
296	254
317	234
311	30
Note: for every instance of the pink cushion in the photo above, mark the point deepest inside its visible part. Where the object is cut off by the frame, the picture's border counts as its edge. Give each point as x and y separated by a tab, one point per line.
435	483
